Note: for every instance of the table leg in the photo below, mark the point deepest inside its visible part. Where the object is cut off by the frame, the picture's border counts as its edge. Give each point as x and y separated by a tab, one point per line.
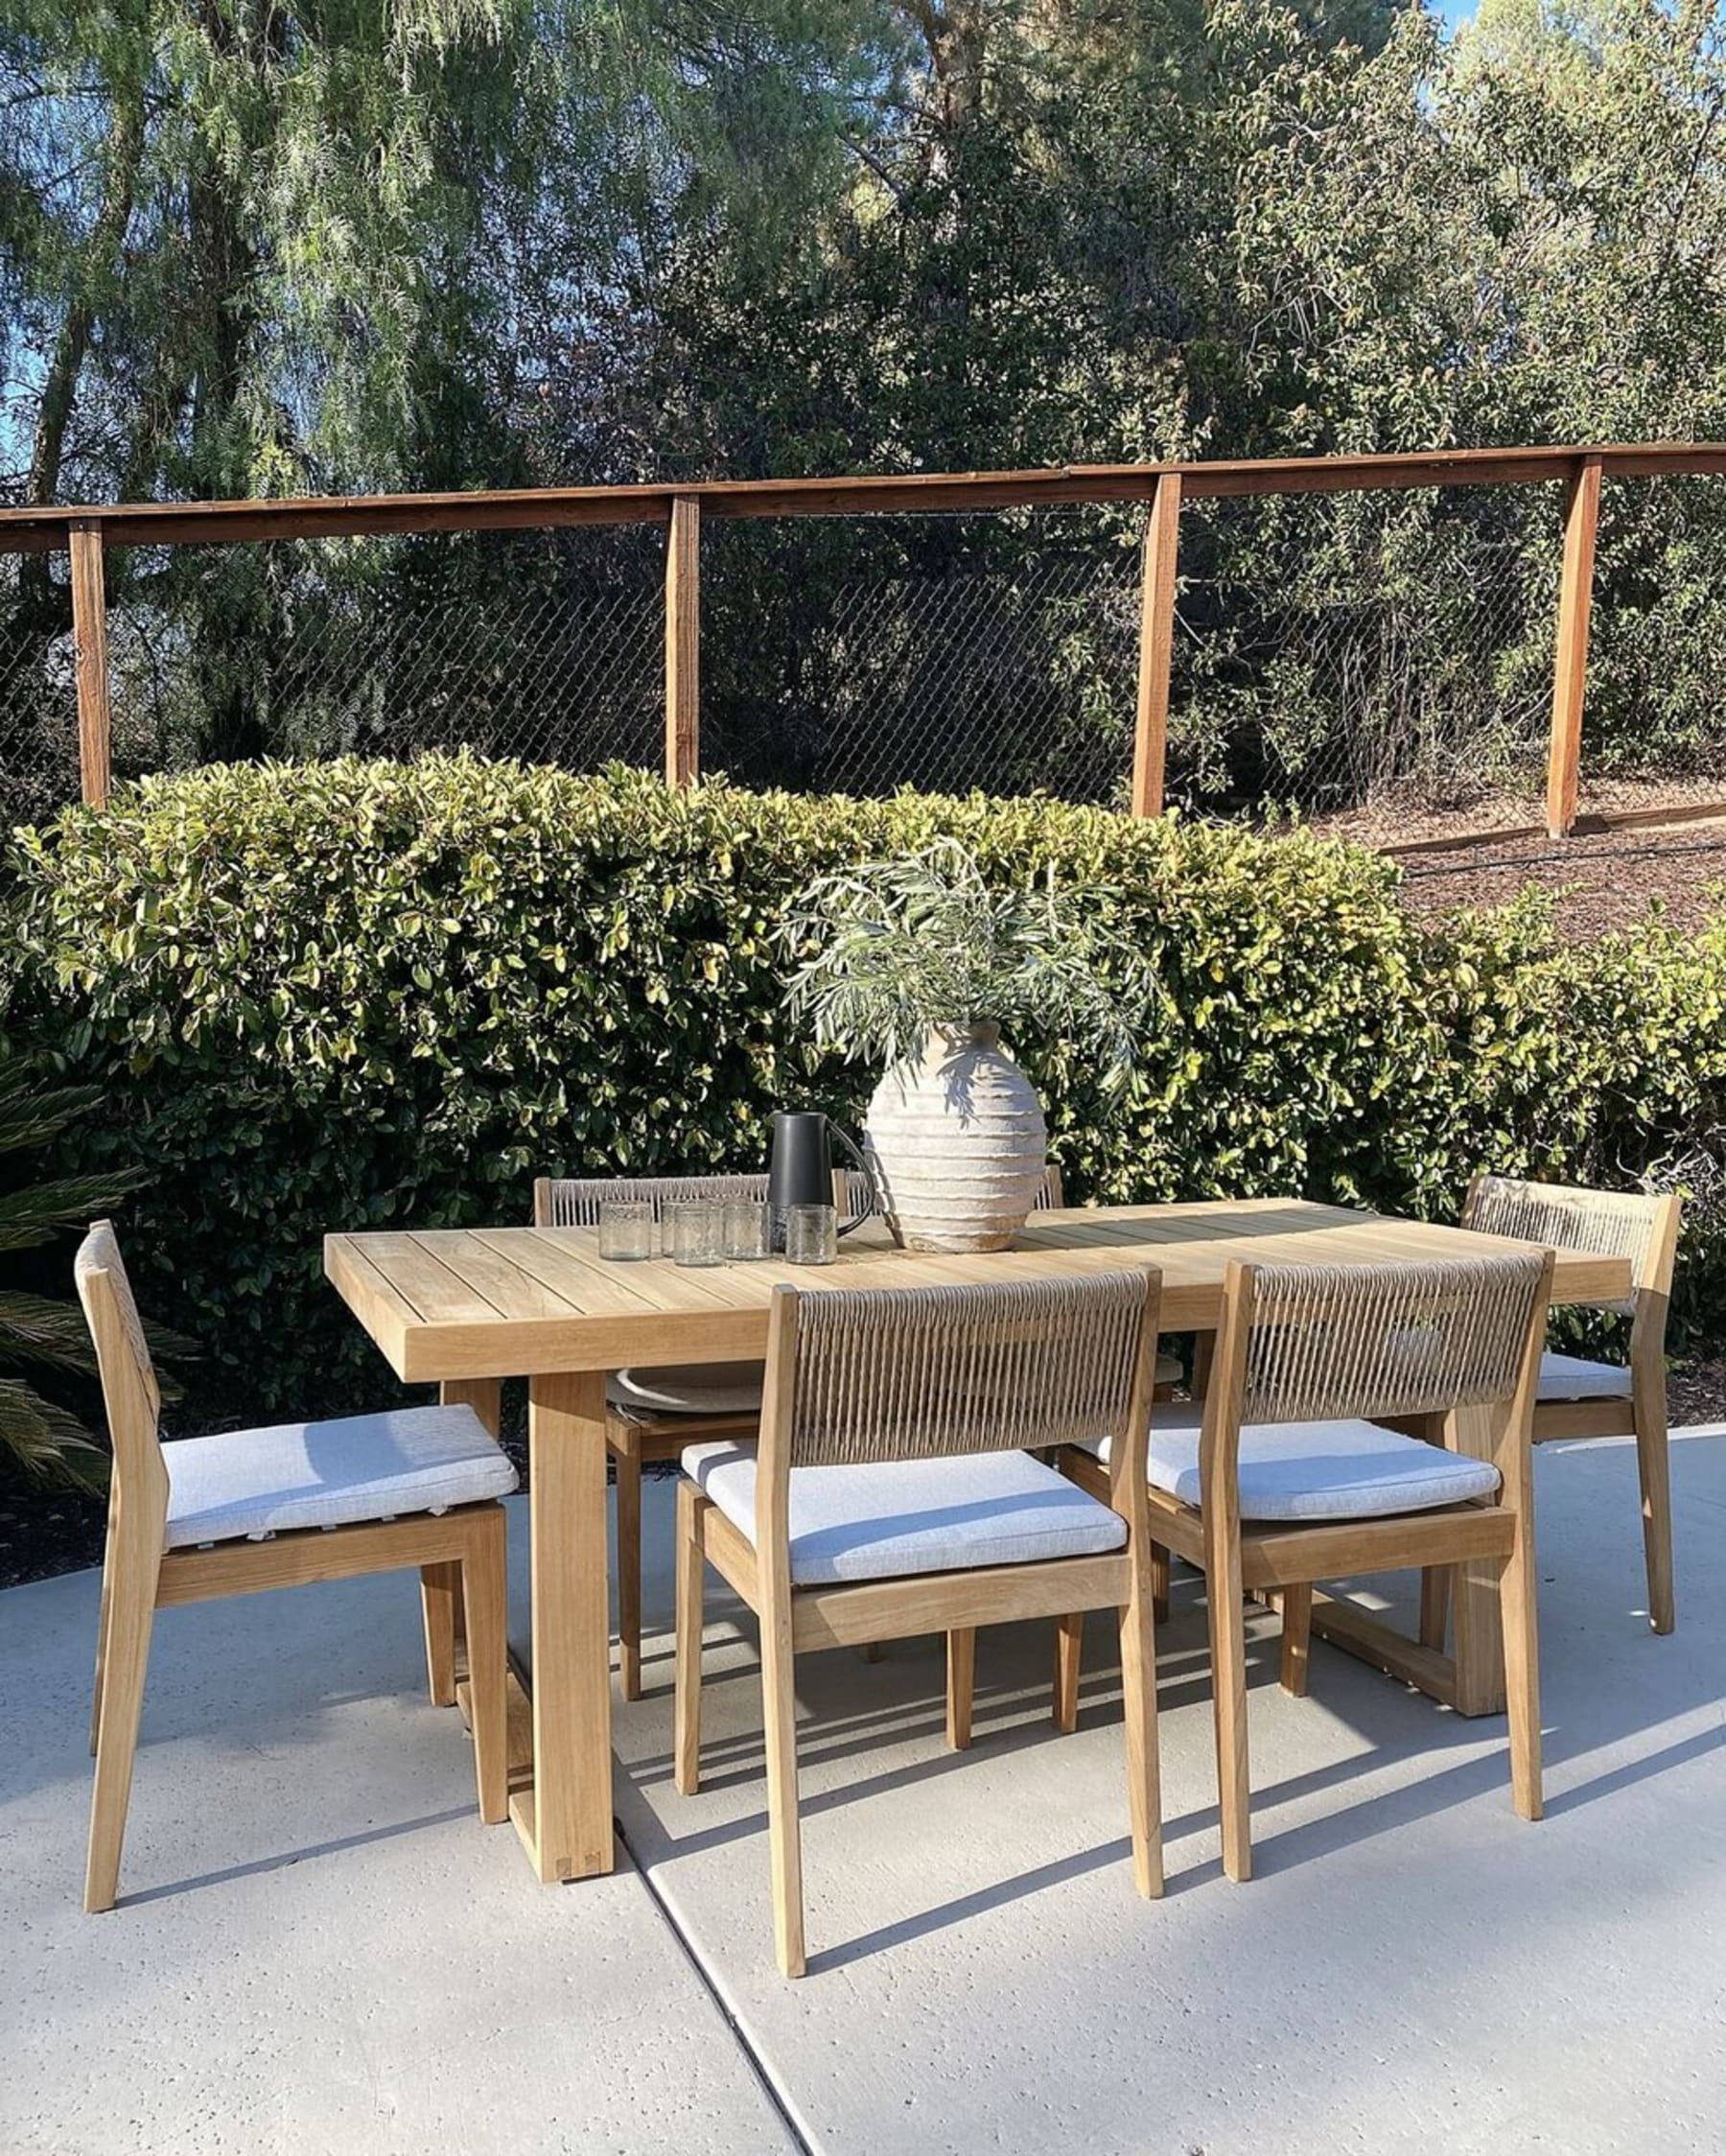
485	1397
1477	1627
566	1817
1471	1680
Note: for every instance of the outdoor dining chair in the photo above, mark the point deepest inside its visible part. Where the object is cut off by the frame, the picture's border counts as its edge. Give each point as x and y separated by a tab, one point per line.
894	1494
1284	1474
1582	1398
198	1518
651	1415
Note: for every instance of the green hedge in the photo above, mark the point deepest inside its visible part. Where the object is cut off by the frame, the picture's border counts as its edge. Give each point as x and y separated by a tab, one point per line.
346	995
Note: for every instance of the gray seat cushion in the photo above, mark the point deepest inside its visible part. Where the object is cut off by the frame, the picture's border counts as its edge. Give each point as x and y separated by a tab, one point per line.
1572	1377
255	1483
691	1389
1316	1470
897	1518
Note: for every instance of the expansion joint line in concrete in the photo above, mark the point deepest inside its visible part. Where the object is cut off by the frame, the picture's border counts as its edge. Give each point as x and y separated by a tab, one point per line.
771	2087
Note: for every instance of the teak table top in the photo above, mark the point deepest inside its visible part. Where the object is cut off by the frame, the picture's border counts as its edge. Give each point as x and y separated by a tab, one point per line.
499	1302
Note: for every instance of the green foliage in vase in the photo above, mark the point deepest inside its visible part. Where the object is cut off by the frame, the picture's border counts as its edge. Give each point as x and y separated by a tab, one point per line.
893	949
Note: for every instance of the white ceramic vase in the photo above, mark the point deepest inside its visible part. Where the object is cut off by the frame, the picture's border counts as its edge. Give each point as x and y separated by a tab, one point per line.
957	1142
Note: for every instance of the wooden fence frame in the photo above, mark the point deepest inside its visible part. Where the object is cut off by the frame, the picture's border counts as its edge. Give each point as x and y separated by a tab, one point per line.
84	533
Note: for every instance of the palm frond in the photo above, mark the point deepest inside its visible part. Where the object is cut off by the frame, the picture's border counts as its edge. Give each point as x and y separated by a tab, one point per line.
33	1214
46	1442
29	1115
32	1328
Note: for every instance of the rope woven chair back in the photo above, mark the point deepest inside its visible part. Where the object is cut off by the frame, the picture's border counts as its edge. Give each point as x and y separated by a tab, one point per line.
925	1373
1566	1216
1049	1192
574	1202
130	1391
1332	1341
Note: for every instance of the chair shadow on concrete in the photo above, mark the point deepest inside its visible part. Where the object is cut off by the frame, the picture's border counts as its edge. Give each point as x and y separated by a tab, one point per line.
1647	1685
336	1845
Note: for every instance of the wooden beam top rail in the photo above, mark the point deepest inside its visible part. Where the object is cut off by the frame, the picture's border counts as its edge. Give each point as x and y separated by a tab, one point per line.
337	516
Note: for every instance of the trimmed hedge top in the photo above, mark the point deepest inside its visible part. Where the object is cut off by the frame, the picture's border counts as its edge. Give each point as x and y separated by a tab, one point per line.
348	995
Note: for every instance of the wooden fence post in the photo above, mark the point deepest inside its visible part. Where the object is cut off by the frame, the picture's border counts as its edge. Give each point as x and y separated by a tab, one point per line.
1157	646
682	643
89	639
1570	671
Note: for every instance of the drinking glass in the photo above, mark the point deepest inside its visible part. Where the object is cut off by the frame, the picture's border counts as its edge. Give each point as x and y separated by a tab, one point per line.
811	1235
625	1229
748	1228
698	1232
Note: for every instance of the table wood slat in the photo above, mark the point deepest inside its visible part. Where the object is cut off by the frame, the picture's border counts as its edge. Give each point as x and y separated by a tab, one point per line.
500	1279
496	1302
415	1266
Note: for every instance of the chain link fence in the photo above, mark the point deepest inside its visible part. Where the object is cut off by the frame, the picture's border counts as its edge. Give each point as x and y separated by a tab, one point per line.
944	653
1331	651
539	650
39	690
1335	650
544	646
1656	703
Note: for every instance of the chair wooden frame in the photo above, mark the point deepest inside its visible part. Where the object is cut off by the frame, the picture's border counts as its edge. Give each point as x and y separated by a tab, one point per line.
1644	1229
805	1620
1281	1562
461	1554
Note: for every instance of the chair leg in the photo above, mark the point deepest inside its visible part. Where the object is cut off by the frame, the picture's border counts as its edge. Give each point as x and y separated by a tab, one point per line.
1520	1619
1296	1638
126	1657
961	1685
1653	1464
628	1463
1069	1659
440	1592
1435	1606
691	1583
101	1636
1159	1581
1138	1706
1229	1685
485	1602
778	1690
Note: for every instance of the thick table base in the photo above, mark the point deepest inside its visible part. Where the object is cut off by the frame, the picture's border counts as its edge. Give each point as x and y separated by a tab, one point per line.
565	1822
523	1809
560	1757
1471	1678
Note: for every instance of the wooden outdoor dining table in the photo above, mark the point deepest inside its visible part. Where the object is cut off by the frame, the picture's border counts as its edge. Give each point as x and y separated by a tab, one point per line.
466	1308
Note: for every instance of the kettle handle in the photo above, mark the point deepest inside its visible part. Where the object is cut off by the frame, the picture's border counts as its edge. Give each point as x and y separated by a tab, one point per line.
868	1182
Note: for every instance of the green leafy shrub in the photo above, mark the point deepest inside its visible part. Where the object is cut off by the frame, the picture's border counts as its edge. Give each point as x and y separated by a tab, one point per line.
356	995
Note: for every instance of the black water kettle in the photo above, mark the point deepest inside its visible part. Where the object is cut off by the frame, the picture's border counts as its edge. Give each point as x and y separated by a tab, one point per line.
800	1169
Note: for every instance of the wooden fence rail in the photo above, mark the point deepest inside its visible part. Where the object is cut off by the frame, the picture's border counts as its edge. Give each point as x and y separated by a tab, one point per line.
84	533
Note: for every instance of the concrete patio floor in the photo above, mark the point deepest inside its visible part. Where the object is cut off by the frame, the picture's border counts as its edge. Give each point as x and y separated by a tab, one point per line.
319	1948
